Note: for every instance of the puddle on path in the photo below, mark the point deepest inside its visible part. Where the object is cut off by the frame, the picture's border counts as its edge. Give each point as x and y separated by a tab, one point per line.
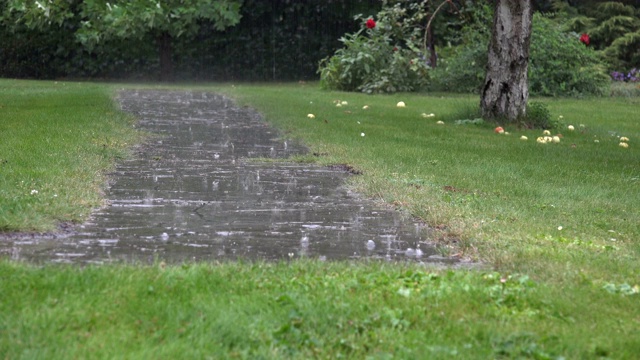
192	196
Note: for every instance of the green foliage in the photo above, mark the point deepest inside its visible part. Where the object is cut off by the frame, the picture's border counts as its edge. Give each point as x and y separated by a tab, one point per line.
624	51
537	116
559	64
103	19
134	19
461	68
94	22
562	65
50	51
385	59
276	40
39	14
613	27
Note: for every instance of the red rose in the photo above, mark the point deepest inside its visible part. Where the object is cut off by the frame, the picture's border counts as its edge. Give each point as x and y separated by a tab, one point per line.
371	24
584	38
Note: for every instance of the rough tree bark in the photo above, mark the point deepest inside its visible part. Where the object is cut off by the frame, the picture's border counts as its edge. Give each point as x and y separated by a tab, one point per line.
505	91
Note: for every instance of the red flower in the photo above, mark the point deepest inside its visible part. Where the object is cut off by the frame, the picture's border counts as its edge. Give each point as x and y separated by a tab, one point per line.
371	24
584	38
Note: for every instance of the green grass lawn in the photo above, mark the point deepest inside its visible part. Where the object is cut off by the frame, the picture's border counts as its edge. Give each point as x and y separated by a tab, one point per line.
521	205
58	141
557	223
306	310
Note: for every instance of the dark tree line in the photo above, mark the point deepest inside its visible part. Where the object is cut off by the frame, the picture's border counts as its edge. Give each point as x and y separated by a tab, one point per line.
246	40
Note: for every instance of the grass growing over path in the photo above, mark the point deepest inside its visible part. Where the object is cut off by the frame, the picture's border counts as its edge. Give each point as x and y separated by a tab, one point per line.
558	223
58	139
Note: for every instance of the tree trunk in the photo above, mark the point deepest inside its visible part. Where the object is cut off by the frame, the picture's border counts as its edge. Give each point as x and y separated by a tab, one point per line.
165	51
505	91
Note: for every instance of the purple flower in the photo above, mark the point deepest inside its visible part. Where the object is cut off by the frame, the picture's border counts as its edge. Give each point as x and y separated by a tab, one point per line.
631	76
617	76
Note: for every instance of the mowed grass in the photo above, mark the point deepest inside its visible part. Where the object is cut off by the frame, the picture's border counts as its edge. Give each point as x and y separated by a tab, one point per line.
303	310
551	209
58	141
546	292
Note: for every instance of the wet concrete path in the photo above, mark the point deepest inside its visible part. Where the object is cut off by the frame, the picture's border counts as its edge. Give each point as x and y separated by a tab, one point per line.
192	194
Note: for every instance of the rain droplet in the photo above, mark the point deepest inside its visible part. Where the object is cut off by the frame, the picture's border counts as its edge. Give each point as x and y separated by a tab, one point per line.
371	245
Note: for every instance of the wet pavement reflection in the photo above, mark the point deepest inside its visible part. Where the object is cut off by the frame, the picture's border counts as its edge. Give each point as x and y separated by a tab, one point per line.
192	195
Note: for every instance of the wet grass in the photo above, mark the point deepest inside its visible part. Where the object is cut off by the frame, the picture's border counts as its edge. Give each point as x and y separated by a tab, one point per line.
305	310
518	204
58	141
557	224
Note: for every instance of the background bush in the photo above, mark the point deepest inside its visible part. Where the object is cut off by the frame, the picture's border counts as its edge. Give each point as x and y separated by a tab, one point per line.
383	59
559	63
462	68
613	27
